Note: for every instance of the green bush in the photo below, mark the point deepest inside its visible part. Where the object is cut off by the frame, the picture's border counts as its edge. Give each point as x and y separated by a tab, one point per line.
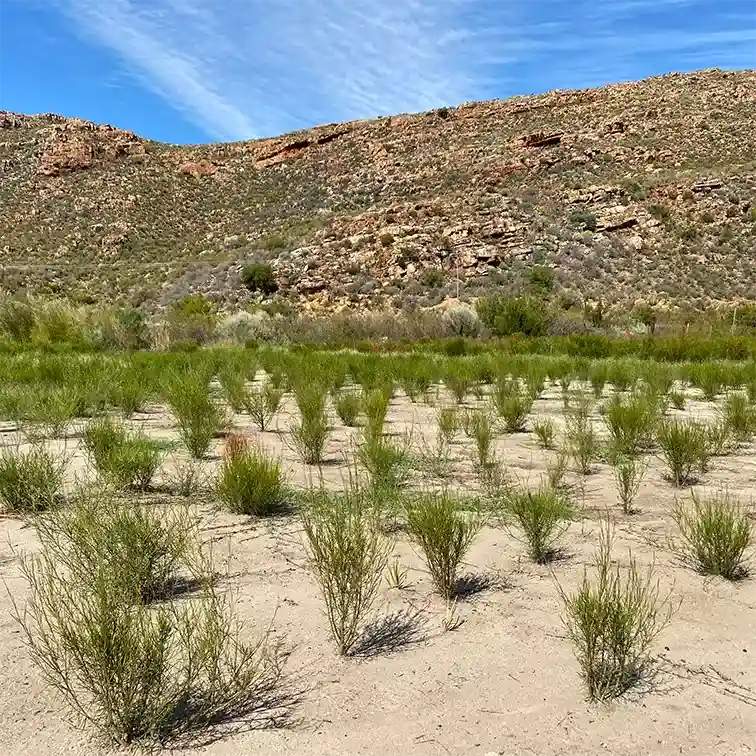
716	532
542	515
612	623
29	481
684	448
259	277
250	482
506	316
348	406
349	555
444	532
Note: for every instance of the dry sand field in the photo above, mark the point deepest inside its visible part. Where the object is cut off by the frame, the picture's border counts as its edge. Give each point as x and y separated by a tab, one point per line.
504	681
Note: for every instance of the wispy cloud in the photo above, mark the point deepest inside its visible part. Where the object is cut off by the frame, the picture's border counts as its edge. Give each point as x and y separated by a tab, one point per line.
246	68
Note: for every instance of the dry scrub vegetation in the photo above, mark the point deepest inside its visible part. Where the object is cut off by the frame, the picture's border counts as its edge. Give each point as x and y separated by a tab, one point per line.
289	551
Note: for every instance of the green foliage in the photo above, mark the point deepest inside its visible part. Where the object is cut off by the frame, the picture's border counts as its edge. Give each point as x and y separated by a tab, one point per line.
250	482
348	406
512	405
716	532
631	422
433	278
310	435
545	431
262	403
479	425
387	463
259	277
348	555
581	437
541	280
739	414
542	516
506	316
29	481
684	449
612	622
444	532
628	476
583	219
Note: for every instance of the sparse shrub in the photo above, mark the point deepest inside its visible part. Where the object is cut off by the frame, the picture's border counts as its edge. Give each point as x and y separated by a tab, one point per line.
613	621
541	280
545	432
718	436
259	277
199	417
459	380
348	406
479	425
581	438
684	449
631	422
462	321
542	516
716	532
512	405
448	422
375	405
310	435
387	463
349	555
386	239
678	399
137	673
556	471
133	463
433	278
583	219
740	416
444	532
250	482
628	476
262	403
29	481
17	318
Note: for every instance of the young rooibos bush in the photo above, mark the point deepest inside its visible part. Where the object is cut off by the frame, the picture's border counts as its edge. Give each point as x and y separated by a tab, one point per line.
249	482
628	475
444	532
545	430
348	406
310	434
716	531
29	481
543	516
348	554
613	621
684	449
263	403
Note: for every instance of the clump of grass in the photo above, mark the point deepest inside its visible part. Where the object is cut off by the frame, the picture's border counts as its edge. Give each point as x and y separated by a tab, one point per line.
556	471
628	476
444	532
719	437
310	435
199	417
30	481
545	432
677	398
349	555
613	621
512	405
684	448
397	575
47	413
251	483
542	516
348	406
262	403
716	532
459	381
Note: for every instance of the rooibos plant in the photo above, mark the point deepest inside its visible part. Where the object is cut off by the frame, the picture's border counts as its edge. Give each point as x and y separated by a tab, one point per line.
349	555
444	531
262	403
612	622
348	406
30	481
740	416
545	431
542	516
684	449
631	422
387	463
628	476
310	434
716	532
250	482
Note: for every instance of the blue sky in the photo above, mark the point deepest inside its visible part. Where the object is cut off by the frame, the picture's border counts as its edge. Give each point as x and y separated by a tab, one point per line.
192	71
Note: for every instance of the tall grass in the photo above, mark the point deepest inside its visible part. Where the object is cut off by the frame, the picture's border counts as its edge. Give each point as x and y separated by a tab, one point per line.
613	621
349	555
716	532
444	531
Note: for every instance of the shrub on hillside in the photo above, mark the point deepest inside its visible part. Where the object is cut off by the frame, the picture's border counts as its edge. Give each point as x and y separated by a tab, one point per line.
259	277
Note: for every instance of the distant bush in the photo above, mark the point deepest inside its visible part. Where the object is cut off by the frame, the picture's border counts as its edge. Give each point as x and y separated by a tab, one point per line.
463	321
433	278
583	219
259	277
191	321
506	316
541	279
17	319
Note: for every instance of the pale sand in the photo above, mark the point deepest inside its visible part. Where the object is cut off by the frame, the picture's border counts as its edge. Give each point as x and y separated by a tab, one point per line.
504	682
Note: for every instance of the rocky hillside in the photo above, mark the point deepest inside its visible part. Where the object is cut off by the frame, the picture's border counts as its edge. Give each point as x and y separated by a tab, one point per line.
640	191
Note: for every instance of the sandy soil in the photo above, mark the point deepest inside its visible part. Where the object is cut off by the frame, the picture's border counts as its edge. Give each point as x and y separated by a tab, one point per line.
504	682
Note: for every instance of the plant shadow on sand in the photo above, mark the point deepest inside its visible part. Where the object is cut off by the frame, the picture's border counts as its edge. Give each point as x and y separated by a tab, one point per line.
392	633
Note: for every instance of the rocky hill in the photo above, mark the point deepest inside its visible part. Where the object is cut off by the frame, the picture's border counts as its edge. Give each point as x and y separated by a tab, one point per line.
640	191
